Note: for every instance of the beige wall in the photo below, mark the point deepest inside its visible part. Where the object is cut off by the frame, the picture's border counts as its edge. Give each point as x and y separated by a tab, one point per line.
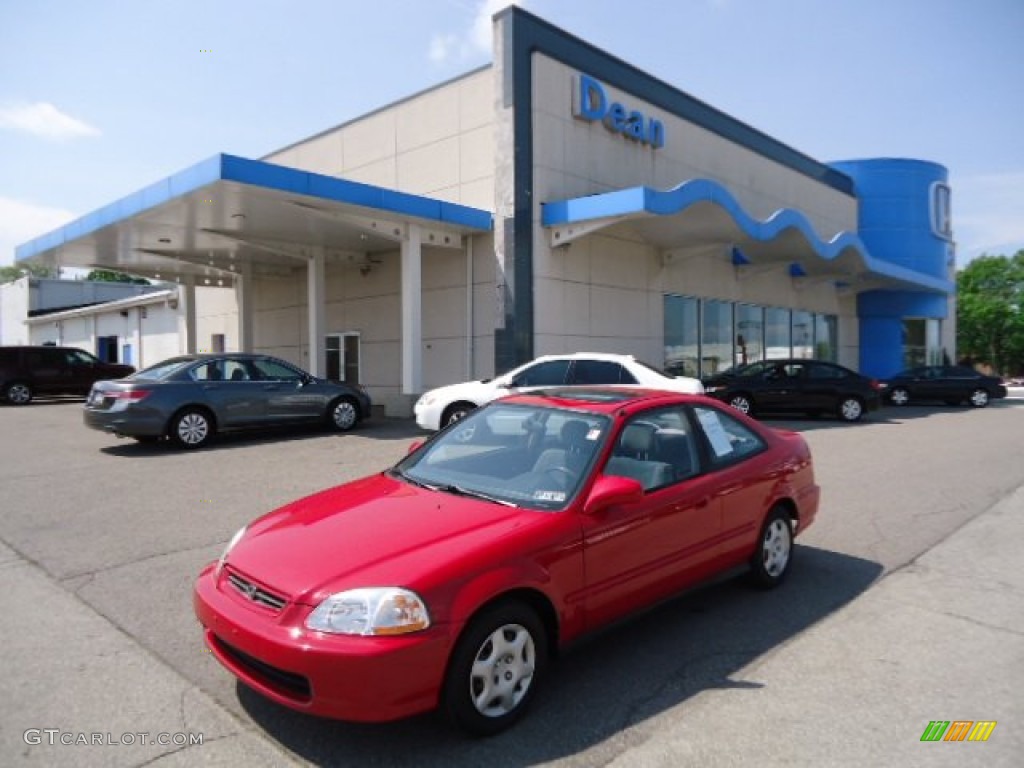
438	143
606	292
366	299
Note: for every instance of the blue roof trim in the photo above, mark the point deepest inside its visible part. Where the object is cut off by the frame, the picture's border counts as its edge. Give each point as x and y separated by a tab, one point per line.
260	174
635	201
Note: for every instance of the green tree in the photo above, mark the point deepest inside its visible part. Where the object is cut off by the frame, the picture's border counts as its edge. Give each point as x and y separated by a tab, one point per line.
990	311
14	272
109	276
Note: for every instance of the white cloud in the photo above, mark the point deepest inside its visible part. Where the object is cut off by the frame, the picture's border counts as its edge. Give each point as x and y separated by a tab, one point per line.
988	214
45	120
472	42
21	222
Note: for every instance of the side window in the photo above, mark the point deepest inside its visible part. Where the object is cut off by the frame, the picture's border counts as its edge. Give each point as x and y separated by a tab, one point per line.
209	371
274	370
728	440
236	370
547	374
825	372
657	448
78	357
600	372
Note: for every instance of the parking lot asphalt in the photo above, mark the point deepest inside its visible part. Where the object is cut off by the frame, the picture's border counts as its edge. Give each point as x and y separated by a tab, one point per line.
904	606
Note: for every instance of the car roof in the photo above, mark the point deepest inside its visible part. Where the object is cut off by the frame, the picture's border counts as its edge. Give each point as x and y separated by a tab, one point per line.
610	356
602	399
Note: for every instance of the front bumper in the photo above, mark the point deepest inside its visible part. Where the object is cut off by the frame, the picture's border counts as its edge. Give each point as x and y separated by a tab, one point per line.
362	679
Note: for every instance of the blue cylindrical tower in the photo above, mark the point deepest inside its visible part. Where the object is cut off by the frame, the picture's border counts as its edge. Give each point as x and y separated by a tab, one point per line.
904	219
904	212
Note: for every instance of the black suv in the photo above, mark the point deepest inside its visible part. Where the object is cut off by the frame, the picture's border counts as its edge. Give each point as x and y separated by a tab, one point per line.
29	371
805	386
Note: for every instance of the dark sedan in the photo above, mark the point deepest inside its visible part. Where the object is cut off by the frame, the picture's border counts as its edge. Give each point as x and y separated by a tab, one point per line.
189	399
796	386
951	384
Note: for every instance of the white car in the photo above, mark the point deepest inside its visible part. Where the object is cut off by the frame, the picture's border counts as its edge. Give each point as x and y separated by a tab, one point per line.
440	407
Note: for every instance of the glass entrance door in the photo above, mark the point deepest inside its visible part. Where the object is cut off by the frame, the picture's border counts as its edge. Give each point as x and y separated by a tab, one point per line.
343	357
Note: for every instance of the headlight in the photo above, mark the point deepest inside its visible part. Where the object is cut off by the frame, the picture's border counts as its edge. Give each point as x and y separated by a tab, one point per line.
370	611
709	390
234	540
426	399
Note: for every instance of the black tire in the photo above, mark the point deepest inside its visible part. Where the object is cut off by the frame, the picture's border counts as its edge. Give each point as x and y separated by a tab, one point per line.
455	412
487	688
850	409
770	561
742	402
899	396
18	393
343	414
979	398
191	428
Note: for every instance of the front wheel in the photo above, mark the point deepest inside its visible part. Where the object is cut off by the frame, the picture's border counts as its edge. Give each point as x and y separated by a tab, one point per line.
978	398
770	563
899	396
192	428
851	409
18	393
495	669
343	414
455	412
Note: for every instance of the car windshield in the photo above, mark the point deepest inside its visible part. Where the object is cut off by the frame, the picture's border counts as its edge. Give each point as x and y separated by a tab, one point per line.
519	455
162	370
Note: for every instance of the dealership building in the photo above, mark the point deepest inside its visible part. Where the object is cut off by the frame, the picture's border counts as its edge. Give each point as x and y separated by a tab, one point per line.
557	200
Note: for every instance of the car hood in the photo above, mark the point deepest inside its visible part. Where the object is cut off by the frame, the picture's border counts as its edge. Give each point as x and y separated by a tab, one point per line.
378	531
479	392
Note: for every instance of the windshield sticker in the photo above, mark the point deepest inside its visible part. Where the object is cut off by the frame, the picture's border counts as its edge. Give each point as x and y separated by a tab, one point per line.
557	496
720	442
593	434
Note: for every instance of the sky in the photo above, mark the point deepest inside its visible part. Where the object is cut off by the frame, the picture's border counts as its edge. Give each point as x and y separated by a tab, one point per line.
101	98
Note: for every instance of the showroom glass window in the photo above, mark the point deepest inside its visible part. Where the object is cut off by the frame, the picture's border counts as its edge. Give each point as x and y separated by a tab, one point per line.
682	336
803	334
716	337
749	333
826	346
777	338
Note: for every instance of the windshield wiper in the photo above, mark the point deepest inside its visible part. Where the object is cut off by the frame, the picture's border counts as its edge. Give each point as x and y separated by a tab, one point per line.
456	490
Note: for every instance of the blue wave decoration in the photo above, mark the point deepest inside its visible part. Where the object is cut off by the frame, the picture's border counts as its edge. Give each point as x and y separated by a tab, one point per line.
639	201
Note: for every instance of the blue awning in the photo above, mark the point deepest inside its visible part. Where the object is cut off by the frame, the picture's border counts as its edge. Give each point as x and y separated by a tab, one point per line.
203	219
702	212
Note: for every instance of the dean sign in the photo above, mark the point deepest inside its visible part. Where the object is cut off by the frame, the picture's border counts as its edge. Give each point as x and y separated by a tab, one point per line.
591	103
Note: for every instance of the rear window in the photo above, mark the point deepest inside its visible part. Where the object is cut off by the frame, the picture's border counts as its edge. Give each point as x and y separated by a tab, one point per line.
161	370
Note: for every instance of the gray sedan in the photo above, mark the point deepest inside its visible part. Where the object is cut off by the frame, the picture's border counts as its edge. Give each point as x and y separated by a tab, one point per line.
188	399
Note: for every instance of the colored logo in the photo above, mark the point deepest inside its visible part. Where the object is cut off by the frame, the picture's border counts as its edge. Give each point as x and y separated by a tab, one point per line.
941	211
958	730
591	103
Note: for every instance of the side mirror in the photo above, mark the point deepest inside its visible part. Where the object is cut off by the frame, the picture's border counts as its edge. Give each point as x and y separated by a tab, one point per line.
414	446
612	489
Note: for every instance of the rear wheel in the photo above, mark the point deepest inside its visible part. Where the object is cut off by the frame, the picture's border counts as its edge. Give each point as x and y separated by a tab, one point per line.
978	398
344	414
770	563
899	396
851	409
18	393
192	428
742	403
495	668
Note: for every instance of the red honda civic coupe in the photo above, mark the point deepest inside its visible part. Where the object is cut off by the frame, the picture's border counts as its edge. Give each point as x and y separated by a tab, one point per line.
450	579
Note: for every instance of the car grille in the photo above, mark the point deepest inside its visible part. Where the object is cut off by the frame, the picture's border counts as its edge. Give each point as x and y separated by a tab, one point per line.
286	683
250	590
